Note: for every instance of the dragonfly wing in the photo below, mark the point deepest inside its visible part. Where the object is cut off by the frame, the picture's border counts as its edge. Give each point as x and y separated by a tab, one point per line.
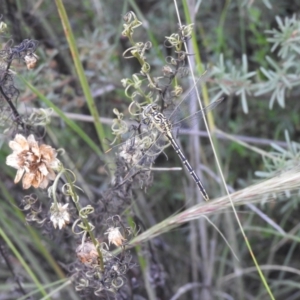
198	115
190	94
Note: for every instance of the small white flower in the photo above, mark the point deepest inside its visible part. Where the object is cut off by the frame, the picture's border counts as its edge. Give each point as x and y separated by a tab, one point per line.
59	215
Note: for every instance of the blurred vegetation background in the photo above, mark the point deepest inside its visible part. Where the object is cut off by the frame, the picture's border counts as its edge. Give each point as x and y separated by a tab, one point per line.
252	50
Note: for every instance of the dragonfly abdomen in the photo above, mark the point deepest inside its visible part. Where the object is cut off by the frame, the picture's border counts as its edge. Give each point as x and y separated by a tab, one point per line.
188	166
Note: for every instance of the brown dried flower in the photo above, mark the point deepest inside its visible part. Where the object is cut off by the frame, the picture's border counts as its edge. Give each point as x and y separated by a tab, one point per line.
59	215
114	236
87	253
36	163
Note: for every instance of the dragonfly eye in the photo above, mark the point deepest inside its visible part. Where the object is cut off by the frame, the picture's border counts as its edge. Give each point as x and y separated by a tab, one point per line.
154	107
150	108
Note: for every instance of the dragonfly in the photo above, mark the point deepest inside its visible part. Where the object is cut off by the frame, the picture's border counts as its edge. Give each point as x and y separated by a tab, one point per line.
162	123
159	124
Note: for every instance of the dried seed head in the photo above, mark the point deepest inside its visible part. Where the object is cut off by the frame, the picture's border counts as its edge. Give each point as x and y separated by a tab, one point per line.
114	236
31	60
177	91
167	71
59	215
131	151
87	253
36	163
3	27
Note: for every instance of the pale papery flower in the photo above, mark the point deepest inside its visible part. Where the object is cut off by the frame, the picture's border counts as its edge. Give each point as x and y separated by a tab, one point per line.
114	236
59	215
31	60
36	163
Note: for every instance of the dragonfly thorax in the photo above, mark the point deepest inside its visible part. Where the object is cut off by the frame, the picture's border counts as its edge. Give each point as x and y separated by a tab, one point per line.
152	114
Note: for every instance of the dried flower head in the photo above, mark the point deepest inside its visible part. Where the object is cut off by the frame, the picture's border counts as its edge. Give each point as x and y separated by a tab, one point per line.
3	27
31	60
131	151
114	236
59	215
87	253
36	163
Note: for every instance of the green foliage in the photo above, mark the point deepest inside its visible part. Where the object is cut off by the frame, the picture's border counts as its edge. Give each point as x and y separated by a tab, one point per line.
232	81
257	38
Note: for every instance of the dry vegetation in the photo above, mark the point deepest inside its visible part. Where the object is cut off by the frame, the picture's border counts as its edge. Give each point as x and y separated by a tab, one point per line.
94	204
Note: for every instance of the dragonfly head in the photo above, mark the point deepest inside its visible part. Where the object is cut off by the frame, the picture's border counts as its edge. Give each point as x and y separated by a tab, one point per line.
149	109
